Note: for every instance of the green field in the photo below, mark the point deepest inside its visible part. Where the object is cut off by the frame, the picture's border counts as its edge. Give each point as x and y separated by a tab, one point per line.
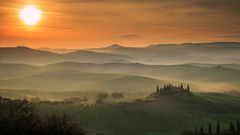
167	115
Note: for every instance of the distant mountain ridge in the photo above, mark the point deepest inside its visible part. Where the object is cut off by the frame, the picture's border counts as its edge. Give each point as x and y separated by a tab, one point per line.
165	54
115	46
22	54
212	53
25	55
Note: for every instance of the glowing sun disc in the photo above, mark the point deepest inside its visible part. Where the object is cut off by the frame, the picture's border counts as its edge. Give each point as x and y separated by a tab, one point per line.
30	15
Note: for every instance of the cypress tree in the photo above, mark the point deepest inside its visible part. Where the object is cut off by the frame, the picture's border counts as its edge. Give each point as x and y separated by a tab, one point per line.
201	130
188	88
181	86
209	128
161	90
238	125
157	89
231	127
218	128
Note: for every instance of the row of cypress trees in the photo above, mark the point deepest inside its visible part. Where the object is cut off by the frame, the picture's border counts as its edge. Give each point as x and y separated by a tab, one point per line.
234	129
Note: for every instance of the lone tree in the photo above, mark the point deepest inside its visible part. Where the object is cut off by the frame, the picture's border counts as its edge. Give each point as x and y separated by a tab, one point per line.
188	88
157	89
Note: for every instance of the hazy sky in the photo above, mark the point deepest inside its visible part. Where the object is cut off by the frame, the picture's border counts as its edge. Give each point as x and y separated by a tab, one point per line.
96	23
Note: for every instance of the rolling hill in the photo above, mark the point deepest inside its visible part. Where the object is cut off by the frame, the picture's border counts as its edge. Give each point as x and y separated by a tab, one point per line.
131	78
165	54
168	115
45	79
25	55
214	77
95	57
212	53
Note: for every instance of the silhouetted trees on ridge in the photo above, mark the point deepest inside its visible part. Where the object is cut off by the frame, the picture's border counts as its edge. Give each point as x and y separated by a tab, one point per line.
170	89
234	129
101	97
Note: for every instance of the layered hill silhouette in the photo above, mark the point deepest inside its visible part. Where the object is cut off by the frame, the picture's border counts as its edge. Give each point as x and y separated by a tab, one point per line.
110	77
217	52
27	55
209	53
210	67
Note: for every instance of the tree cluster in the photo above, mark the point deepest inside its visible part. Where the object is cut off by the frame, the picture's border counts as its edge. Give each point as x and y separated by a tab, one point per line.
234	129
170	89
20	117
117	95
101	97
75	100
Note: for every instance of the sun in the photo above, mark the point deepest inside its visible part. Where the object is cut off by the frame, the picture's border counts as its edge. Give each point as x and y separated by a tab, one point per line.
30	15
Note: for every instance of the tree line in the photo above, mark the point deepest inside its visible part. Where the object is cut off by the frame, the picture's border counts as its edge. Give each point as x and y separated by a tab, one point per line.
234	129
100	97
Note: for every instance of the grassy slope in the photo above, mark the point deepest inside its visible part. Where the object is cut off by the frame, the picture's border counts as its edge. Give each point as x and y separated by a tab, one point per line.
111	77
70	80
168	115
202	77
94	57
184	72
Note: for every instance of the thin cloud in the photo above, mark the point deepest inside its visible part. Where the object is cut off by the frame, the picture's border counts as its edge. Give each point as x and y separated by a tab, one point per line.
228	36
129	36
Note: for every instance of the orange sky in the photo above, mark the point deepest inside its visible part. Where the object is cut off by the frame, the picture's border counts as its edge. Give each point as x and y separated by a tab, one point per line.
97	23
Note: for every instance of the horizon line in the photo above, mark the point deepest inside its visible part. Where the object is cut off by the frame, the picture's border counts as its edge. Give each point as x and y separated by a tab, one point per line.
120	45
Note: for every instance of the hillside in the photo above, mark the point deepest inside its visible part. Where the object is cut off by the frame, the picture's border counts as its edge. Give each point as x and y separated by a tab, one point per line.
165	54
168	115
213	53
214	77
95	57
137	78
70	80
25	55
